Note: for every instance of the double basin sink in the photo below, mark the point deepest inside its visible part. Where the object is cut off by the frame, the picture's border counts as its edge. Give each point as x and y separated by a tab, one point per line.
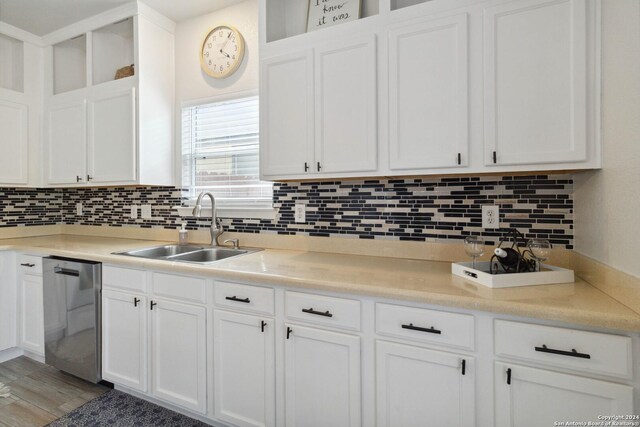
187	253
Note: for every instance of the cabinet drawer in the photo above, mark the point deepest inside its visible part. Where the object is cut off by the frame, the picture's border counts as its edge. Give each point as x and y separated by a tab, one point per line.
577	350
419	324
30	264
337	312
255	299
193	289
127	279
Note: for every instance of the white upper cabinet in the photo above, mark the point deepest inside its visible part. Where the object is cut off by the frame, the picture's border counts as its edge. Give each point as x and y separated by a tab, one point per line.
286	114
535	82
428	94
530	397
346	100
112	150
14	143
66	148
128	137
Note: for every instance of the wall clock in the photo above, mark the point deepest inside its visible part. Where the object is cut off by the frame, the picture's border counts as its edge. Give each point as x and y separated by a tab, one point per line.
222	51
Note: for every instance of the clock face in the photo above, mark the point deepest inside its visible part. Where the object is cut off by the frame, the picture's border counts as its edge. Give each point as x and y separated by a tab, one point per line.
222	51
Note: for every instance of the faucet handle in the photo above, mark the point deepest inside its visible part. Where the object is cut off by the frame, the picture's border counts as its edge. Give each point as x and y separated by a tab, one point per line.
235	242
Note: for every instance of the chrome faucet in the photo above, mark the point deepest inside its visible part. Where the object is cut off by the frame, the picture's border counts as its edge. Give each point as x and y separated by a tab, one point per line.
216	226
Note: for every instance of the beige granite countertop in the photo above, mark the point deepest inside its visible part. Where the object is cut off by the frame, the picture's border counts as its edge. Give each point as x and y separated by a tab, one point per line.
428	282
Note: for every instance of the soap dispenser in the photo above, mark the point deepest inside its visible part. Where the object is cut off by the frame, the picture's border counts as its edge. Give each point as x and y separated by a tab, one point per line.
183	235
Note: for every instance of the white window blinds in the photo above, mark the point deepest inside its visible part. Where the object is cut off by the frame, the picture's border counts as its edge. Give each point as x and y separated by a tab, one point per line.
220	143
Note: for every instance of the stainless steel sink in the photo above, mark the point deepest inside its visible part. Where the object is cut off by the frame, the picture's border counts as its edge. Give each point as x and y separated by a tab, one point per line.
187	253
161	251
208	255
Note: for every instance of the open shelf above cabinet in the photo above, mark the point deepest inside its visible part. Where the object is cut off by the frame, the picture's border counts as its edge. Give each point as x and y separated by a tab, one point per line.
70	65
288	18
112	49
400	4
11	64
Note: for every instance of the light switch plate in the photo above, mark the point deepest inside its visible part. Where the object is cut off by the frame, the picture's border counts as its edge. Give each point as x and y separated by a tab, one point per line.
145	211
300	213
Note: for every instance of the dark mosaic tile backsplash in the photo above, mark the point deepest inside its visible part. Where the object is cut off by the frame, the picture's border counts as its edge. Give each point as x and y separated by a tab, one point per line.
439	209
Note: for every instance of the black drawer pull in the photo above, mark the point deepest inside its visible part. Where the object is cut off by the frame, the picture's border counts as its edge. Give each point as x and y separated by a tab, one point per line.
572	353
262	325
509	376
153	304
236	299
317	313
28	265
430	330
289	330
136	301
464	367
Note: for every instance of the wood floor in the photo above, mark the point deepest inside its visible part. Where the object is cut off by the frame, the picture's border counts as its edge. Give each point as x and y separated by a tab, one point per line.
40	394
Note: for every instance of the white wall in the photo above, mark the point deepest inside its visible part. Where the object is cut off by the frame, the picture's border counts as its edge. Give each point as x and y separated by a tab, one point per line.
607	202
191	82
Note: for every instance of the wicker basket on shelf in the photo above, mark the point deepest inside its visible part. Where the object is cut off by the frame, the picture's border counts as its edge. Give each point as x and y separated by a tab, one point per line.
127	71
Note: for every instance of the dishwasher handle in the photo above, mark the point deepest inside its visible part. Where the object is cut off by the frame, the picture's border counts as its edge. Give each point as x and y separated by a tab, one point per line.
66	271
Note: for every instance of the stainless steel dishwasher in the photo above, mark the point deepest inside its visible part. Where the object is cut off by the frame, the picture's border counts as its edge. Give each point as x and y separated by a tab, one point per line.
72	316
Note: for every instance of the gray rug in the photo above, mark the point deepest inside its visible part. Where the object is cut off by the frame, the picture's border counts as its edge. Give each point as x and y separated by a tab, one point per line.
118	409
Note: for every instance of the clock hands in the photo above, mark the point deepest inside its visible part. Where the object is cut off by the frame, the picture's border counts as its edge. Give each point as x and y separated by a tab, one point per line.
225	45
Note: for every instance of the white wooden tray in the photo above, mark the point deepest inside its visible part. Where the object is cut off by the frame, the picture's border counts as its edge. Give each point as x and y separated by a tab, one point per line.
549	275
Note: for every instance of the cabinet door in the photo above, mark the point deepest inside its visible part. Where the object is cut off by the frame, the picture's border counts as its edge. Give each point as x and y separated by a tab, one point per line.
112	148
31	314
322	378
535	82
286	114
537	397
428	94
14	144
124	339
346	113
67	142
415	384
244	369
179	354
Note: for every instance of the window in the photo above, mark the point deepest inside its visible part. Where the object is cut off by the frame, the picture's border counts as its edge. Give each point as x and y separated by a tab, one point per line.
220	153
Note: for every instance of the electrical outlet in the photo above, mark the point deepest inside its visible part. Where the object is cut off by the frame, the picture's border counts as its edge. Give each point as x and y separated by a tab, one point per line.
79	209
145	210
134	211
491	216
300	212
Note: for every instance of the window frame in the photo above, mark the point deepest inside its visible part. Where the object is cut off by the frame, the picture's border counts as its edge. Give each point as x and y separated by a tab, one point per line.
225	212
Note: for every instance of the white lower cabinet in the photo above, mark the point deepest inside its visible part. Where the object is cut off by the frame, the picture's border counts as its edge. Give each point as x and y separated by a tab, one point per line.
531	397
244	369
124	339
31	314
417	386
178	354
322	378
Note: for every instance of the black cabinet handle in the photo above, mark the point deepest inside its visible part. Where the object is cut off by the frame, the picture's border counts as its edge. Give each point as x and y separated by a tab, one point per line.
236	299
495	157
289	330
509	376
89	177
306	167
136	301
263	324
78	179
459	158
572	353
464	367
319	167
430	330
28	265
317	313
153	304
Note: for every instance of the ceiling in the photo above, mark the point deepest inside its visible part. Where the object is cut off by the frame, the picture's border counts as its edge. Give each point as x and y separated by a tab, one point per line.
41	17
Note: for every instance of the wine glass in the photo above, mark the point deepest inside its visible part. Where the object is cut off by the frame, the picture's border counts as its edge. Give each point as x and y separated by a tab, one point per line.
474	247
540	249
